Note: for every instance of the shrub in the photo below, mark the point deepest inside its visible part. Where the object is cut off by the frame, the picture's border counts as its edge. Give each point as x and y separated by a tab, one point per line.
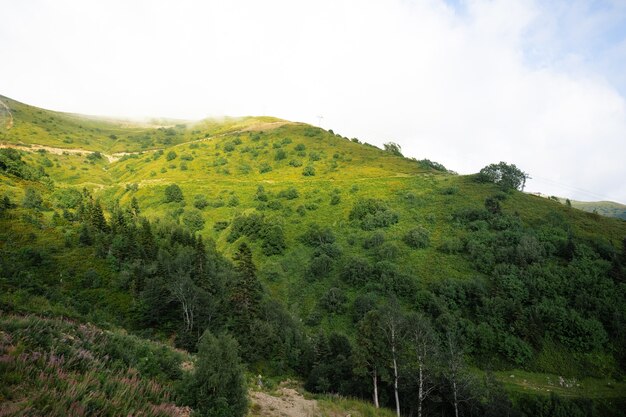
265	167
173	193
290	193
280	155
319	266
308	171
200	201
417	238
393	148
372	214
193	220
220	225
356	271
32	199
295	163
317	236
333	301
374	240
171	155
233	201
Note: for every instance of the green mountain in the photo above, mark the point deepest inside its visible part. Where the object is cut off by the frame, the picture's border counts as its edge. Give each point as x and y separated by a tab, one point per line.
304	248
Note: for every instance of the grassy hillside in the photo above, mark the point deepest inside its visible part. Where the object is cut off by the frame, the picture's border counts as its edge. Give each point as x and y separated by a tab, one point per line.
336	228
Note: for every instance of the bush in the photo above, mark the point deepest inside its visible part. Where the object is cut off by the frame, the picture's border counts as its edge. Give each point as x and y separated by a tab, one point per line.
308	171
173	194
193	220
317	236
374	240
32	199
295	163
171	155
356	271
280	155
333	301
273	240
393	148
200	201
319	266
290	193
417	238
220	225
265	167
372	214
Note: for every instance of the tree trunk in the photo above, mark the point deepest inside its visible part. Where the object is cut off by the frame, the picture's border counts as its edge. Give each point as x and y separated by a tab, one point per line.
456	401
375	379
420	393
395	380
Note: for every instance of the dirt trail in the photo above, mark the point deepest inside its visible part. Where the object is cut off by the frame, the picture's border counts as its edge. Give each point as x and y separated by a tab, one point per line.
59	151
286	403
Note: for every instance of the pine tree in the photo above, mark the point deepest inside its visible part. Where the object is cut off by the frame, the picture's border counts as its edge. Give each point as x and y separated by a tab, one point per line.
247	291
217	386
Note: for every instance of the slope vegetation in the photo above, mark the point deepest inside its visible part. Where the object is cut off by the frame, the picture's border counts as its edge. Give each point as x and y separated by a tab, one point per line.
301	243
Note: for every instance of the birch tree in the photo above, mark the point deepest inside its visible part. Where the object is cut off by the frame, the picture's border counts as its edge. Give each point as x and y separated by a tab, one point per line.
186	293
456	373
392	327
423	347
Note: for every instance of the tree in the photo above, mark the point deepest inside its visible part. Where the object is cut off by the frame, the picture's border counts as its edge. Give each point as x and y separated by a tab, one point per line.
508	176
455	371
134	207
193	220
370	355
424	347
393	148
392	327
217	386
96	216
247	291
187	294
173	193
32	199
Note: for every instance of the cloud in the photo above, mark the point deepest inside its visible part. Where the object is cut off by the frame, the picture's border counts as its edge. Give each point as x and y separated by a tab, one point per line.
464	83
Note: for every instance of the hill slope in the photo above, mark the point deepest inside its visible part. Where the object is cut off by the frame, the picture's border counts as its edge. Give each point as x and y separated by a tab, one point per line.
337	229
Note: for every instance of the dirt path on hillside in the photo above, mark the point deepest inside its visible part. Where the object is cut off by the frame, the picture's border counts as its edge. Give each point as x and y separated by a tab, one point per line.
59	151
286	402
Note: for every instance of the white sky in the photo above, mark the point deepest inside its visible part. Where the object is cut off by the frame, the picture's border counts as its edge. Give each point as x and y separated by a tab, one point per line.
465	83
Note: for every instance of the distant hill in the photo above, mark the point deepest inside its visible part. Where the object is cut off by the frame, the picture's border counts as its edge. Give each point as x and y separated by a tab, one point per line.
603	208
